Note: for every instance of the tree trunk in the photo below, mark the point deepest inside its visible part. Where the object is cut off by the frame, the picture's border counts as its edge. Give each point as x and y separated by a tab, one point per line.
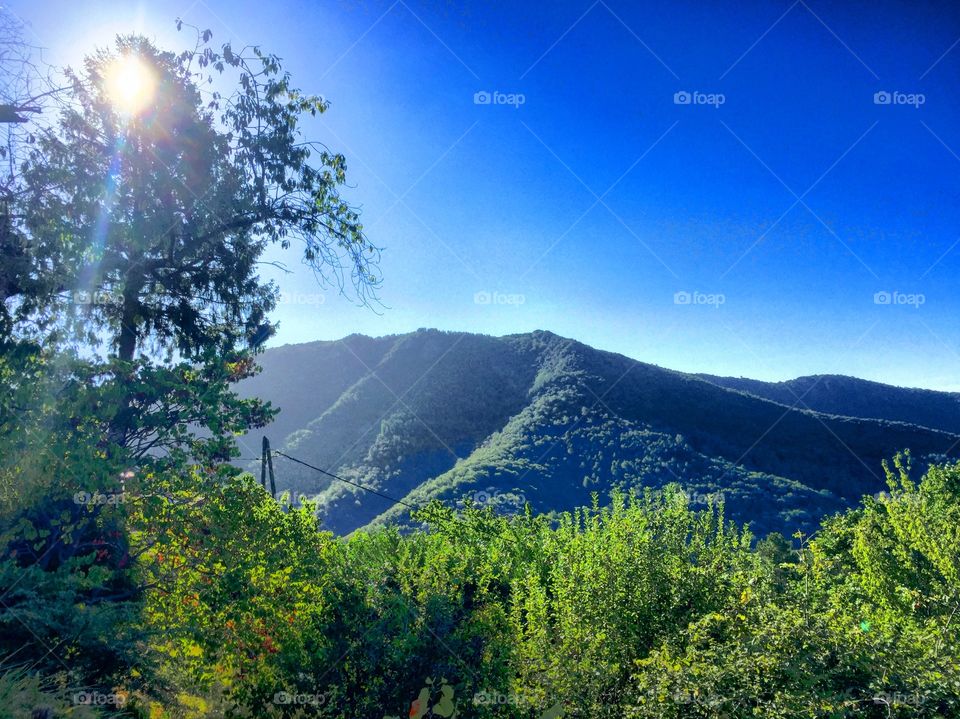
129	319
126	348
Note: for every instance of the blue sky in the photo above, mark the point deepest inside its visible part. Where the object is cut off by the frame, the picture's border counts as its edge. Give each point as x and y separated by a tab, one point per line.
781	223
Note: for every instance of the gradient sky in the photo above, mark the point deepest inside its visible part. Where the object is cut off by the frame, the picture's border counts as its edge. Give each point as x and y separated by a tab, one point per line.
586	209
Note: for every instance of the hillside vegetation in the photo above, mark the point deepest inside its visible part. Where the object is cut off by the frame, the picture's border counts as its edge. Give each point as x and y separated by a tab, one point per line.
542	419
644	608
853	397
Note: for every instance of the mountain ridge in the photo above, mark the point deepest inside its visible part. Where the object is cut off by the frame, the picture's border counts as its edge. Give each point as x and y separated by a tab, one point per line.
452	415
850	396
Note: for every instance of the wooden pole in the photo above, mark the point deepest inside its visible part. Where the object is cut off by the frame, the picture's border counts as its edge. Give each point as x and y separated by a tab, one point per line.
273	480
264	451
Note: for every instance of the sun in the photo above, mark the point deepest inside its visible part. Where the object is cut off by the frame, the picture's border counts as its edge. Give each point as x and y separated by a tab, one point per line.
129	83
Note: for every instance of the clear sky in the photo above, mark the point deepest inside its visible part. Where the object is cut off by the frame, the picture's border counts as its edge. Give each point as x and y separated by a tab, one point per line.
785	221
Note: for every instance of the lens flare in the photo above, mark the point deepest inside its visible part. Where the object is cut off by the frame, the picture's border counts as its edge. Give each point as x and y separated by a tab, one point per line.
129	84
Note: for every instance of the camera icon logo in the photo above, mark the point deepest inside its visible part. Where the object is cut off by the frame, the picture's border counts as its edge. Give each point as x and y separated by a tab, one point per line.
481	498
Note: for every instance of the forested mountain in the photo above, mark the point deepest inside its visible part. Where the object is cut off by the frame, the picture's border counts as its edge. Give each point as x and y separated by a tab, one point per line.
542	419
306	379
853	397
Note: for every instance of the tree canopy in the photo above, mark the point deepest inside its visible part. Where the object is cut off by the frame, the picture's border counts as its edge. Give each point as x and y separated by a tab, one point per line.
147	227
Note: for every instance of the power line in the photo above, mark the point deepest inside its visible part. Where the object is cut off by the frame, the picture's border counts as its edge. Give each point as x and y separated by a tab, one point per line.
385	496
355	484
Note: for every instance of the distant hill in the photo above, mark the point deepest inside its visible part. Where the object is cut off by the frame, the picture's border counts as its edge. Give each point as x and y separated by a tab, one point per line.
837	394
542	419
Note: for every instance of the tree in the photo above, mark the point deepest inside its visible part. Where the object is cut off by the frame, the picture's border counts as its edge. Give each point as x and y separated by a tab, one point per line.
154	219
146	225
141	229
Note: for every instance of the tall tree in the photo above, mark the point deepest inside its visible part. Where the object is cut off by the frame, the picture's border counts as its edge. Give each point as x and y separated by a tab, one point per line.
137	221
152	199
146	208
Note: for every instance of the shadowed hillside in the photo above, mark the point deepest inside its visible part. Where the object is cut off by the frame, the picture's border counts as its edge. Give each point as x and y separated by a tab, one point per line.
853	397
542	419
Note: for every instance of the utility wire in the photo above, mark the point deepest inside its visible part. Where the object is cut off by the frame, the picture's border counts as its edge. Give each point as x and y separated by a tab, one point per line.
414	507
355	484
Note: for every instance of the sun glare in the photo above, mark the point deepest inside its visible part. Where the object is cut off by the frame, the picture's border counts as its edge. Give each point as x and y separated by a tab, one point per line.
129	84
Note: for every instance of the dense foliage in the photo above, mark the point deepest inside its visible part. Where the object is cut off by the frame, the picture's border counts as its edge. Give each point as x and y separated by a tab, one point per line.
644	608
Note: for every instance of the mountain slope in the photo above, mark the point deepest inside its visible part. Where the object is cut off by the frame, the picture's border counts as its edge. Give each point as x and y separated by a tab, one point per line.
544	419
853	397
306	379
